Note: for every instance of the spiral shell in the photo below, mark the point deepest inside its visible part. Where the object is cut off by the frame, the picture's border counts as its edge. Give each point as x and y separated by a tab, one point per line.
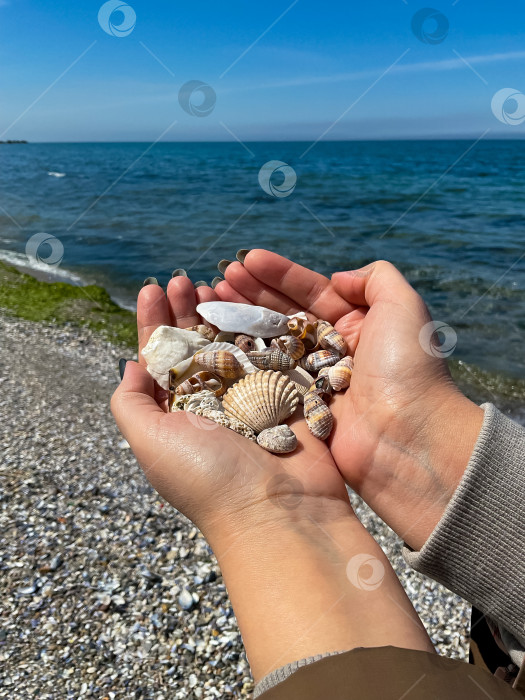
318	416
317	360
347	361
290	345
329	339
261	400
271	359
279	440
201	381
221	362
323	372
245	342
204	331
339	376
305	331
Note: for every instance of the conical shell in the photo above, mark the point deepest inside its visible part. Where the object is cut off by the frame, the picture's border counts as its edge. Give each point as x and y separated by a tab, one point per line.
245	342
203	330
220	362
271	359
261	400
304	330
329	339
318	416
290	345
339	376
317	360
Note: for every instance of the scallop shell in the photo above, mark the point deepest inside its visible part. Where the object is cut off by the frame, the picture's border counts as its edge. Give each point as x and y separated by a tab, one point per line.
318	416
203	330
304	330
271	359
339	376
245	342
329	339
221	362
261	400
199	382
279	440
317	360
290	345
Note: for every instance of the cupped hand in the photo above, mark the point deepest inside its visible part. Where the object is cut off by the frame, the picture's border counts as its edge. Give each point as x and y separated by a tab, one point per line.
403	432
210	473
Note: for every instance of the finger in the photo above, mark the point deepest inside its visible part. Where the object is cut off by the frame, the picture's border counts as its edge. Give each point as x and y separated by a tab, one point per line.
257	291
226	292
309	290
204	294
182	302
379	281
152	312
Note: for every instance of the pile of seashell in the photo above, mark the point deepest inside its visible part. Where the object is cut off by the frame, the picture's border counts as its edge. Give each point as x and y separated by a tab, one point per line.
252	374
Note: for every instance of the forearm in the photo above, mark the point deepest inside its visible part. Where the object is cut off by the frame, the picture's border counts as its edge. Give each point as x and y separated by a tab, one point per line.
299	587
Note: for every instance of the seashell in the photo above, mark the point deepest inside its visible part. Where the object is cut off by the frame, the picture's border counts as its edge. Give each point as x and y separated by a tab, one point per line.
271	359
279	440
204	399
204	331
323	372
223	337
245	342
339	376
221	362
322	388
232	423
347	361
261	400
304	330
290	345
167	347
317	360
302	380
244	318
318	416
199	382
329	339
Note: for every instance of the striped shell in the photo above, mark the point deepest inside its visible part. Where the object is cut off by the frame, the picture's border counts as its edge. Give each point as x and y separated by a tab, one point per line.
347	361
329	339
245	342
201	381
318	416
317	360
305	331
290	345
271	359
261	400
279	440
203	330
339	376
221	362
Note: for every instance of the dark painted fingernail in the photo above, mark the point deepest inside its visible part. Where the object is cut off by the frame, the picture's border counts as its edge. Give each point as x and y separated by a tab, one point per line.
200	283
122	367
215	281
223	264
242	253
150	280
179	272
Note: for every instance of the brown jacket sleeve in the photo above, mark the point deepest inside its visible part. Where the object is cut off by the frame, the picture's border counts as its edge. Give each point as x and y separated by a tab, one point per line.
389	673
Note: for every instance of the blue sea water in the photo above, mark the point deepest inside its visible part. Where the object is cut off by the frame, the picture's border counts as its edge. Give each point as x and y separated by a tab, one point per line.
450	214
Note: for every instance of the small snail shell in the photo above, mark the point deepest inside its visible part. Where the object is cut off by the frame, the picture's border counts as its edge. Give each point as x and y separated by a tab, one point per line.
221	362
318	416
199	382
290	345
317	360
245	342
272	359
329	339
347	361
278	440
339	376
305	331
203	330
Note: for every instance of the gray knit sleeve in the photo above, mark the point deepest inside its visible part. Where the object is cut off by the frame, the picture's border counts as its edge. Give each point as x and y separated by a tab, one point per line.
282	673
478	547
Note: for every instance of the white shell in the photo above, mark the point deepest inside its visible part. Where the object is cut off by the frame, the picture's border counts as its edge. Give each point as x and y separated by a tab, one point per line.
203	400
279	440
260	345
186	368
167	347
243	318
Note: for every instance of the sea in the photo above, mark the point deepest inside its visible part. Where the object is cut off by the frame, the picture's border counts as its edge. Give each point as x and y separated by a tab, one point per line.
449	214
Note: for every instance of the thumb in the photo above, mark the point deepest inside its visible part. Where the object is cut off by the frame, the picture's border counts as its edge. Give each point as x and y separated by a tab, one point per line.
379	281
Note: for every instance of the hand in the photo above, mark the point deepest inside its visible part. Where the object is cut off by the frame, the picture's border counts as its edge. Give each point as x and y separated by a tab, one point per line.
403	432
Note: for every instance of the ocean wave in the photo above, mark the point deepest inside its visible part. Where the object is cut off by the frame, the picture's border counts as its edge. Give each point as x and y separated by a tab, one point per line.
33	265
52	173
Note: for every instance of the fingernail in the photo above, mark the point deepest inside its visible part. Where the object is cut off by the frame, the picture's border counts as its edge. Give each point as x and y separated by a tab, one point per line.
200	283
215	281
150	280
122	367
223	264
242	253
179	272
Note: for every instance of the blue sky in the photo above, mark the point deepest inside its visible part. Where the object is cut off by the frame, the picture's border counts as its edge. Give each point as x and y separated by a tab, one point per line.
317	70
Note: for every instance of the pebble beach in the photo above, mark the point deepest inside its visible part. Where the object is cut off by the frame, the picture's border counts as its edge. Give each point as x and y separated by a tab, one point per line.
106	591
